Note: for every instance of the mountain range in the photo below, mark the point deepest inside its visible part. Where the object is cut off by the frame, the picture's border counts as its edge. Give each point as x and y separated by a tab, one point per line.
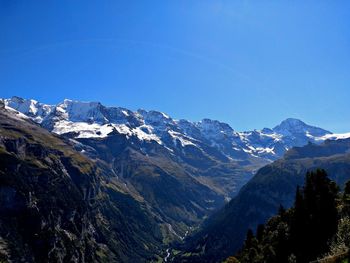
223	159
94	120
146	168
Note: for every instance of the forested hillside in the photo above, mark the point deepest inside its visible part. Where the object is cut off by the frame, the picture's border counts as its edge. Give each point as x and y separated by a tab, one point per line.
316	228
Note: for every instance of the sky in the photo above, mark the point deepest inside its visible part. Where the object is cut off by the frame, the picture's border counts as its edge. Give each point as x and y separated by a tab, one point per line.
248	63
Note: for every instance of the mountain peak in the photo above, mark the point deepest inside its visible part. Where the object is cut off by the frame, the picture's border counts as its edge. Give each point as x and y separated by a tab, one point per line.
215	130
16	98
82	111
296	126
153	117
209	124
292	121
80	103
29	107
20	100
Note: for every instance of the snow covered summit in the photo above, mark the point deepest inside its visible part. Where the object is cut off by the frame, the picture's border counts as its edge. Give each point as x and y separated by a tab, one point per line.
94	120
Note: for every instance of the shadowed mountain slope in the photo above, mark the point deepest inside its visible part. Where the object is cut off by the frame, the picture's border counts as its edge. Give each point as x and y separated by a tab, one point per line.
56	205
272	186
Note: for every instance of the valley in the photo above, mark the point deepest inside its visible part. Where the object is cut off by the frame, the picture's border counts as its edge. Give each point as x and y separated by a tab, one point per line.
168	182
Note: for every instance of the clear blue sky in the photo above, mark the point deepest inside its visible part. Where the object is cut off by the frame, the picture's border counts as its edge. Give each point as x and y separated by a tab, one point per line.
248	63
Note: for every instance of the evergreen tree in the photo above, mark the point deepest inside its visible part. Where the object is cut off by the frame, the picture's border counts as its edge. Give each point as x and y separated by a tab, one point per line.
298	224
346	200
260	232
281	211
249	239
302	233
315	216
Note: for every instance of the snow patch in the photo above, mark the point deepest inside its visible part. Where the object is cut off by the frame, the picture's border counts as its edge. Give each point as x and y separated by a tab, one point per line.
143	136
125	113
336	136
18	115
184	140
83	129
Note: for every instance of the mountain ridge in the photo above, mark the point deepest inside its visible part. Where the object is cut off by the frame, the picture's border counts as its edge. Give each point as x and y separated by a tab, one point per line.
201	145
150	124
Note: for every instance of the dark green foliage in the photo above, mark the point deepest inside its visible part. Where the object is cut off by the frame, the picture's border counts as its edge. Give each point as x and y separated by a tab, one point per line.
302	232
346	200
315	217
250	239
260	232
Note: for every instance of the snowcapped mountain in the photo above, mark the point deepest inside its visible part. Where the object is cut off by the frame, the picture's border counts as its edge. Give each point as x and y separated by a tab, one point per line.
213	152
94	120
179	171
31	108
